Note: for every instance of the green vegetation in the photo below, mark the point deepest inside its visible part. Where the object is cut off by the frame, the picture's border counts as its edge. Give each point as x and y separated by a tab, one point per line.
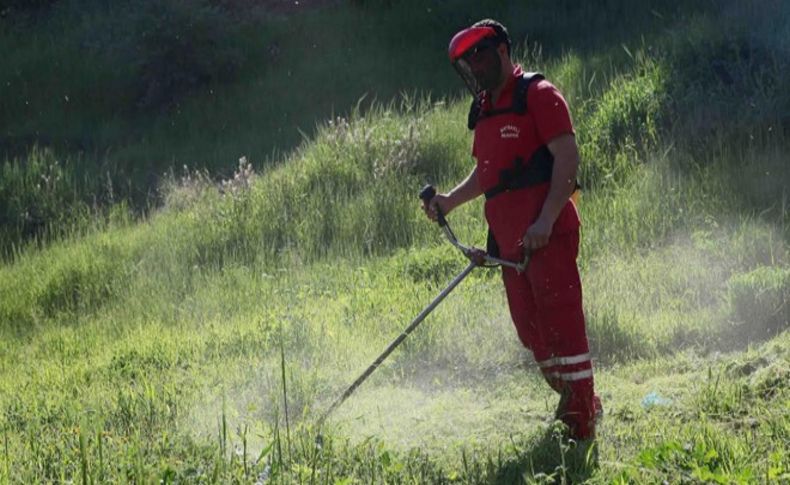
156	333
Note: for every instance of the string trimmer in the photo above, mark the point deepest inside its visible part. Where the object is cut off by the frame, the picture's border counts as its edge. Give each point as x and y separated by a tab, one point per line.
477	257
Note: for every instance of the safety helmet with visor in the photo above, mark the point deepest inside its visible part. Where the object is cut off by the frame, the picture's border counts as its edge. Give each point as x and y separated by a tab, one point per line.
473	54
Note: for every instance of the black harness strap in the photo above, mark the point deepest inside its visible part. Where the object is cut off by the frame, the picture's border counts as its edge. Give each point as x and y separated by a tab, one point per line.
517	106
536	171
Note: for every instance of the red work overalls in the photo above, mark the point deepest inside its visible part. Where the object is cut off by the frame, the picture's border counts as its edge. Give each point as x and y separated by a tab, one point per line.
546	300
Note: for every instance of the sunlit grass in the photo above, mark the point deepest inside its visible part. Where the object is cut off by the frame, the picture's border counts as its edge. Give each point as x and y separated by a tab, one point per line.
158	349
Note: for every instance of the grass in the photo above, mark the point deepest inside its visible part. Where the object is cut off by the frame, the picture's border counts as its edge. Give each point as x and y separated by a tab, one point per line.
157	394
155	372
76	80
200	342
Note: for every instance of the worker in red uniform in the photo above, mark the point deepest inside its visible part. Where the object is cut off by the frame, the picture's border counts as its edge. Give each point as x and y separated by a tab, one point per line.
527	158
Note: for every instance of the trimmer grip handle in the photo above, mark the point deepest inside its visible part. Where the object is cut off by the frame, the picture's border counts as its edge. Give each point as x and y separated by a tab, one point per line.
426	194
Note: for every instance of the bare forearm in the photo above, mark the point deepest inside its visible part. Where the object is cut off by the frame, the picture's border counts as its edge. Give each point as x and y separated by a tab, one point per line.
563	179
465	191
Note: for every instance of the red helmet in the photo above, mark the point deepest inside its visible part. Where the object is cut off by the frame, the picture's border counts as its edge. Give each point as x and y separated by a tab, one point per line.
473	46
468	38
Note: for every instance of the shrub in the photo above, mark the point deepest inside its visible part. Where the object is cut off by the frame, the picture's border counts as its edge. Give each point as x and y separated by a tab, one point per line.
625	121
77	284
37	194
729	79
436	266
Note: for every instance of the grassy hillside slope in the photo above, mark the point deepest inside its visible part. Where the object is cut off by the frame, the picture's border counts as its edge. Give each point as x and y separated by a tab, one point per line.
201	342
124	93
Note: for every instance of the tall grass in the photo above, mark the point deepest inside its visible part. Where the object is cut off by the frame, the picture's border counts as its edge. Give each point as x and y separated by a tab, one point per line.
83	77
165	349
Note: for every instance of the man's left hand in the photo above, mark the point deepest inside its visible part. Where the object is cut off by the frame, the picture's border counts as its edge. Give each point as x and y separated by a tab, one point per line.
537	235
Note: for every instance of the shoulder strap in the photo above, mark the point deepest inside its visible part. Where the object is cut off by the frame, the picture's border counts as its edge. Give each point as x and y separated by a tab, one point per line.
518	106
474	113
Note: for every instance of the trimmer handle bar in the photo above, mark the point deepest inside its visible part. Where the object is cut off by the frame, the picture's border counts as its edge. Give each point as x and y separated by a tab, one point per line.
427	194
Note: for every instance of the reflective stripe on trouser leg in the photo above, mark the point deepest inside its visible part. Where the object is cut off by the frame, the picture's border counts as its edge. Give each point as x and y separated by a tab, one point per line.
558	370
576	376
553	379
546	307
569	360
556	288
576	408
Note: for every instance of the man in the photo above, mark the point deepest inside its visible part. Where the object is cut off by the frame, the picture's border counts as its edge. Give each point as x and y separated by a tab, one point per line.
526	166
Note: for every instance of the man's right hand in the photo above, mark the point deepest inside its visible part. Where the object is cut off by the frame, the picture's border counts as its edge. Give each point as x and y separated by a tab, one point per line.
441	201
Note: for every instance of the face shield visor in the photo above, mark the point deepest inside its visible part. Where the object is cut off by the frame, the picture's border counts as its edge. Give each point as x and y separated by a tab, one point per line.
474	56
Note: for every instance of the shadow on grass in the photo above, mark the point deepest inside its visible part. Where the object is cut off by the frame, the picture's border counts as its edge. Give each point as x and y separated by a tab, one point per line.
551	458
613	339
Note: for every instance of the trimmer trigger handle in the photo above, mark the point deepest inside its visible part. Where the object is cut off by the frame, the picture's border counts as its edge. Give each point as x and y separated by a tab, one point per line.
426	194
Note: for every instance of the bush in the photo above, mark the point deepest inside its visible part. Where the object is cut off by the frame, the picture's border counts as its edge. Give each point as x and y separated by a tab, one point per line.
435	266
37	194
625	122
729	76
79	283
